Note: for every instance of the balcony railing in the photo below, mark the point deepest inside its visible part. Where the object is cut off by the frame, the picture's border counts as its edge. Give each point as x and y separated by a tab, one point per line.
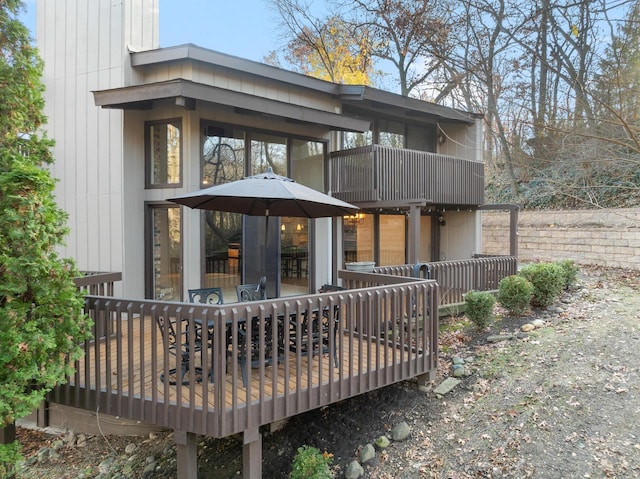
377	173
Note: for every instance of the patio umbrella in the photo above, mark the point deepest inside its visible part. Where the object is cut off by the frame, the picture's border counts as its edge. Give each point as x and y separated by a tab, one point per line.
266	194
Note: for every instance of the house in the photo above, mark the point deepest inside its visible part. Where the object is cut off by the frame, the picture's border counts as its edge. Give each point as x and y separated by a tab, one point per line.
136	124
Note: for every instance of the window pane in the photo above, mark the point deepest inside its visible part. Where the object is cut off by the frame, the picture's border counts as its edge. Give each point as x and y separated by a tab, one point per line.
392	239
307	158
391	134
167	253
358	237
222	162
222	155
268	151
164	153
354	140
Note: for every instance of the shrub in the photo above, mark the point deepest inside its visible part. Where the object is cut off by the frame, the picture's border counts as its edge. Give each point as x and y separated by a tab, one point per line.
310	463
514	294
570	270
548	280
479	307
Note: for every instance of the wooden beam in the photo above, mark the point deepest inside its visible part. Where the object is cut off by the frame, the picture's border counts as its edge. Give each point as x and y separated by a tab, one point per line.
252	454
187	454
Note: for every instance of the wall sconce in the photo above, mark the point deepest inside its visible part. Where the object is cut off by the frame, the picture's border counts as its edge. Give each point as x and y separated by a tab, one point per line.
298	227
441	138
283	228
441	220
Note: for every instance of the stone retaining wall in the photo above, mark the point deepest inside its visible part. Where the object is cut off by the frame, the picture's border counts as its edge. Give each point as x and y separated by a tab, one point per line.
607	237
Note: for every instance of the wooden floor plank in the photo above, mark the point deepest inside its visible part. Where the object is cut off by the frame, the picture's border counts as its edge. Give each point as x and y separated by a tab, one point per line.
355	357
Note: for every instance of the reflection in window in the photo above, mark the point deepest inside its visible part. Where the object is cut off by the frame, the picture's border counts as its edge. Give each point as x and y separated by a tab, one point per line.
222	160
268	151
353	140
222	155
392	239
358	233
391	134
307	158
164	151
166	253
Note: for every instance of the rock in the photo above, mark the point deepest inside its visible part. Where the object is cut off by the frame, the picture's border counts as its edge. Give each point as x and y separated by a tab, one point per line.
457	360
131	448
71	438
525	328
499	337
382	442
367	454
81	441
458	371
445	386
44	454
400	432
149	471
354	470
105	466
538	323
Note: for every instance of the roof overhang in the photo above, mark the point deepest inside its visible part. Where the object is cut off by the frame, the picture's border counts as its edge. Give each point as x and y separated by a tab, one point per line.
186	92
402	107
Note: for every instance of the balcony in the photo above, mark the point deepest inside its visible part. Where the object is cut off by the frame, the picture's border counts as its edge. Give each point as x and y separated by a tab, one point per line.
379	174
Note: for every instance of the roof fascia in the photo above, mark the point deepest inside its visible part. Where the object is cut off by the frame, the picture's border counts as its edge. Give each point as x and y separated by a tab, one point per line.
412	107
134	95
222	60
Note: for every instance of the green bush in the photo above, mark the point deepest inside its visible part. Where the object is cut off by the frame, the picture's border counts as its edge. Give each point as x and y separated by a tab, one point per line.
570	270
310	463
548	280
514	294
479	307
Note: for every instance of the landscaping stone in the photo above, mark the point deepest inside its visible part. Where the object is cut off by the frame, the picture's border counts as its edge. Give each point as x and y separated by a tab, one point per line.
367	454
445	386
525	328
382	442
400	432
538	323
354	470
499	337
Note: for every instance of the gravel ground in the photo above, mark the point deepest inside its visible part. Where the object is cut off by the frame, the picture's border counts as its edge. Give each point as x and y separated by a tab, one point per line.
561	401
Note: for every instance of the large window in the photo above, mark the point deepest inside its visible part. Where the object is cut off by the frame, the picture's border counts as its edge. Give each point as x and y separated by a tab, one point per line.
268	151
163	154
166	253
222	155
223	160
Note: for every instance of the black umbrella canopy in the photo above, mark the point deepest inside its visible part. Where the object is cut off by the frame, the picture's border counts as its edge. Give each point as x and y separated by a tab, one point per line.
266	194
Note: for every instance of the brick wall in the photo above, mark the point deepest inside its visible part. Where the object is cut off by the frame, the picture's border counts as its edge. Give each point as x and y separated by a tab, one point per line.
608	237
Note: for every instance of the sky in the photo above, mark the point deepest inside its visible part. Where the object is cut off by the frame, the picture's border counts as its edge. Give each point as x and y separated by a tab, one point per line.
244	28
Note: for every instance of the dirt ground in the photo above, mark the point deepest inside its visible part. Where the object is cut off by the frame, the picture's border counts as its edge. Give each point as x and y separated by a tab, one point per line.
562	401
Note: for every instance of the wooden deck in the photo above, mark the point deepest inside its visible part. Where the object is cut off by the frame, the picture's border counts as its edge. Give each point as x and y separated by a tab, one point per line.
130	372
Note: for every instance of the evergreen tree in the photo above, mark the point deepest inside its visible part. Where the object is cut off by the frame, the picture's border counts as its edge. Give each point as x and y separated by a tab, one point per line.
41	321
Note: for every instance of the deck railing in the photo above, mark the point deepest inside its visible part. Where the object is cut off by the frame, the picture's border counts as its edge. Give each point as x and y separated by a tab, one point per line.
385	331
98	283
379	173
455	278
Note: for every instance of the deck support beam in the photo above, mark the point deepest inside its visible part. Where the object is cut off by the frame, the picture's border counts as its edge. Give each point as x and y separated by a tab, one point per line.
252	454
187	454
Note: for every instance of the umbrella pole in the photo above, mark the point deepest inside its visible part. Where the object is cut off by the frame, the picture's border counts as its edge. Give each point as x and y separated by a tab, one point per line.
266	246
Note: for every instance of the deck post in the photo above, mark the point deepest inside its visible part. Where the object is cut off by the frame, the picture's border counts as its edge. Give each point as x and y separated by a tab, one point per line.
252	454
187	454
